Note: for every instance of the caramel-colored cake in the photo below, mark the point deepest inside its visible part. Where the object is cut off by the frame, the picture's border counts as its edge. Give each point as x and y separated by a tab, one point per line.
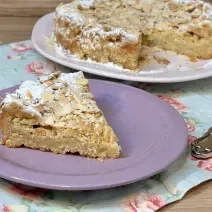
59	114
115	30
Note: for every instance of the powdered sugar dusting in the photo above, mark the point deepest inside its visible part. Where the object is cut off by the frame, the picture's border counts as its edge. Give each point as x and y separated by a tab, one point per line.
183	15
86	3
90	28
52	94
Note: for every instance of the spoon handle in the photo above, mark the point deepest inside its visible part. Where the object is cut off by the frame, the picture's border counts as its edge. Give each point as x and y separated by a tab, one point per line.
202	147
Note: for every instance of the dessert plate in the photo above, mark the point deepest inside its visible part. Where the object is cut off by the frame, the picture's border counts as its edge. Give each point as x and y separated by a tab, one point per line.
152	135
162	66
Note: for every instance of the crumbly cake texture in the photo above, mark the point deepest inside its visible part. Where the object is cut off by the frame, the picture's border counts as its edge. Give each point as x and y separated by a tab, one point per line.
78	29
57	113
115	30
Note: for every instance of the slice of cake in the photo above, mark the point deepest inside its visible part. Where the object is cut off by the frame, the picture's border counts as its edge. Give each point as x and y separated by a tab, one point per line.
59	114
115	30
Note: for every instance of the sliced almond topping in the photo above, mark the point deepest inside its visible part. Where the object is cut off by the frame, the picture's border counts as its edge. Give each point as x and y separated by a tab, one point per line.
63	90
60	124
57	96
63	100
28	95
55	87
72	124
66	109
69	98
48	83
47	96
63	118
74	105
49	120
82	82
45	78
57	109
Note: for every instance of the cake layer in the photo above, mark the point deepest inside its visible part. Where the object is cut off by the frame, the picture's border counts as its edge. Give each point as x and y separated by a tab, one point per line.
91	141
190	45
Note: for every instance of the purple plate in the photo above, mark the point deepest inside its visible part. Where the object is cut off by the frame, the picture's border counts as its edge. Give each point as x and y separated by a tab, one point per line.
151	133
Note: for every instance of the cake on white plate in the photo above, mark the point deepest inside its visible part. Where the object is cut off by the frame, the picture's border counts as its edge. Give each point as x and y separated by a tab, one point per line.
115	30
57	113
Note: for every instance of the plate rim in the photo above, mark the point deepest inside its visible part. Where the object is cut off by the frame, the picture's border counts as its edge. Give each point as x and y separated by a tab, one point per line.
115	75
8	173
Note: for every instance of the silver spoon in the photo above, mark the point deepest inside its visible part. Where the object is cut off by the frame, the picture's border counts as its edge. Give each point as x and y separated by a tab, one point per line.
202	147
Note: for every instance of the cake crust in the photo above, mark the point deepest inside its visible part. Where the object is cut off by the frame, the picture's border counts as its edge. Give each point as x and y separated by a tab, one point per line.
58	114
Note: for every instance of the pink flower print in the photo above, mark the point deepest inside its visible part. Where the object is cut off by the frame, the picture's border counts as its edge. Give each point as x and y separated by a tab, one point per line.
27	192
205	164
191	139
21	47
191	125
5	209
143	203
14	208
40	68
36	67
179	106
154	202
10	57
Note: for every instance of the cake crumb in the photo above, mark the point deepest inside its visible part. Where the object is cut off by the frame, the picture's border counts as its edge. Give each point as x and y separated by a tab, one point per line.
193	59
162	60
101	160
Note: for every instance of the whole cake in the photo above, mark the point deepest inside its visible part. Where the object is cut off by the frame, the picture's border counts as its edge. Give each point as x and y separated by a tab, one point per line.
115	30
59	114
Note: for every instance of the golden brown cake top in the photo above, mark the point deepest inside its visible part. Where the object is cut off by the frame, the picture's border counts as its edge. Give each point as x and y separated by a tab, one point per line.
58	100
194	16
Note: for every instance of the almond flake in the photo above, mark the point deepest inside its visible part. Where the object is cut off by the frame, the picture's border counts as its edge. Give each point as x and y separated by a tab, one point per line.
60	124
28	95
82	82
66	109
47	96
49	120
48	83
63	100
72	124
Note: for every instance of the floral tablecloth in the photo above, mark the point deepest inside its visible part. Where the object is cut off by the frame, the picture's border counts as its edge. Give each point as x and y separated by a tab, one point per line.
19	62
